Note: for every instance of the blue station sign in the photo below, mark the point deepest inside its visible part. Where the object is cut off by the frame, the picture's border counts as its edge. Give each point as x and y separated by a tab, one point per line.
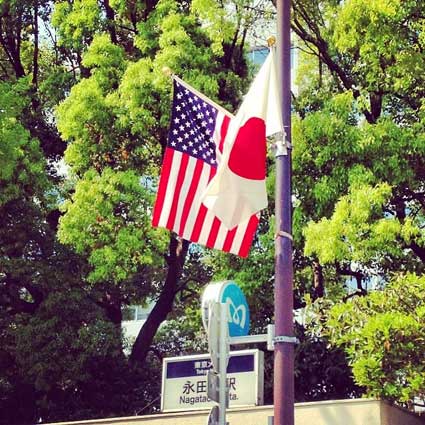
229	293
238	310
238	363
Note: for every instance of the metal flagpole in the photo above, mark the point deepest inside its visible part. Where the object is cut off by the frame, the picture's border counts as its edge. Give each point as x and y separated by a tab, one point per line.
284	329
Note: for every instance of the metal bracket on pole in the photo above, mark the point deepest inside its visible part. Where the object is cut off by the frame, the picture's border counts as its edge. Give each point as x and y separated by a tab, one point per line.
280	149
255	339
283	234
248	339
287	339
281	144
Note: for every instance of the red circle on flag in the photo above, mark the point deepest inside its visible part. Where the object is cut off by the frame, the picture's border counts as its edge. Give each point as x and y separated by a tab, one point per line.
248	156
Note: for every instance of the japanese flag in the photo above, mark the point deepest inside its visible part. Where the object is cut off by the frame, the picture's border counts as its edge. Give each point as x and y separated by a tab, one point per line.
238	190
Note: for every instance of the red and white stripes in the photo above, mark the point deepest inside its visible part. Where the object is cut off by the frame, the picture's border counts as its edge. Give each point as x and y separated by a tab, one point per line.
179	208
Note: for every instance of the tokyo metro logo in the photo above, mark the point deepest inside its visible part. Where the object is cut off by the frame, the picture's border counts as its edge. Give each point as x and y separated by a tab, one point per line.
237	309
236	314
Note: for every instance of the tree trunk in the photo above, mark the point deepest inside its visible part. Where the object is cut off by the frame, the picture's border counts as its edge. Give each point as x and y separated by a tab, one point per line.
36	47
110	15
318	280
177	254
400	211
358	275
307	29
11	45
111	303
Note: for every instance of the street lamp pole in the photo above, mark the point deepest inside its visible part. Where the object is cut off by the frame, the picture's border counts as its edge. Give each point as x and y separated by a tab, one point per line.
284	327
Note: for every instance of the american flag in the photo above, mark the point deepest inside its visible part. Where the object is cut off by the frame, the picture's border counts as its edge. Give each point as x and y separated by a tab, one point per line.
195	142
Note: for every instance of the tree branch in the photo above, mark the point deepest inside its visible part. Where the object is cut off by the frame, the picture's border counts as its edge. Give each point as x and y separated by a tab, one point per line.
110	16
36	47
176	258
318	280
417	249
358	275
320	43
12	297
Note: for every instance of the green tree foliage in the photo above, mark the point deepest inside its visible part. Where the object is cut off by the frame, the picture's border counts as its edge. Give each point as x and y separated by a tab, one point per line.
31	263
359	135
22	163
358	155
115	121
64	359
359	232
358	164
382	334
321	372
102	61
111	225
61	355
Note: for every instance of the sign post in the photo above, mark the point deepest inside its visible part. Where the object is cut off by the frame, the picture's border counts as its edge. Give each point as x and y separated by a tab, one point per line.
223	360
218	346
225	314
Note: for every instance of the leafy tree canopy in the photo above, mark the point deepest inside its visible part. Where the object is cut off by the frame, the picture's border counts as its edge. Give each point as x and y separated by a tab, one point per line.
22	164
382	333
358	164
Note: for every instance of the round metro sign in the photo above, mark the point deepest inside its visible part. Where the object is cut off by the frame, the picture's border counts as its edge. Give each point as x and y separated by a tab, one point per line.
229	293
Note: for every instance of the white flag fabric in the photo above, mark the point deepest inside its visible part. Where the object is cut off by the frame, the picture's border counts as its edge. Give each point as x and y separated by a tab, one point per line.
238	190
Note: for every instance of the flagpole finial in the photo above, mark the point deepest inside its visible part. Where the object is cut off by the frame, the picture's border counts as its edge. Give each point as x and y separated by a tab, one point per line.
167	71
271	41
